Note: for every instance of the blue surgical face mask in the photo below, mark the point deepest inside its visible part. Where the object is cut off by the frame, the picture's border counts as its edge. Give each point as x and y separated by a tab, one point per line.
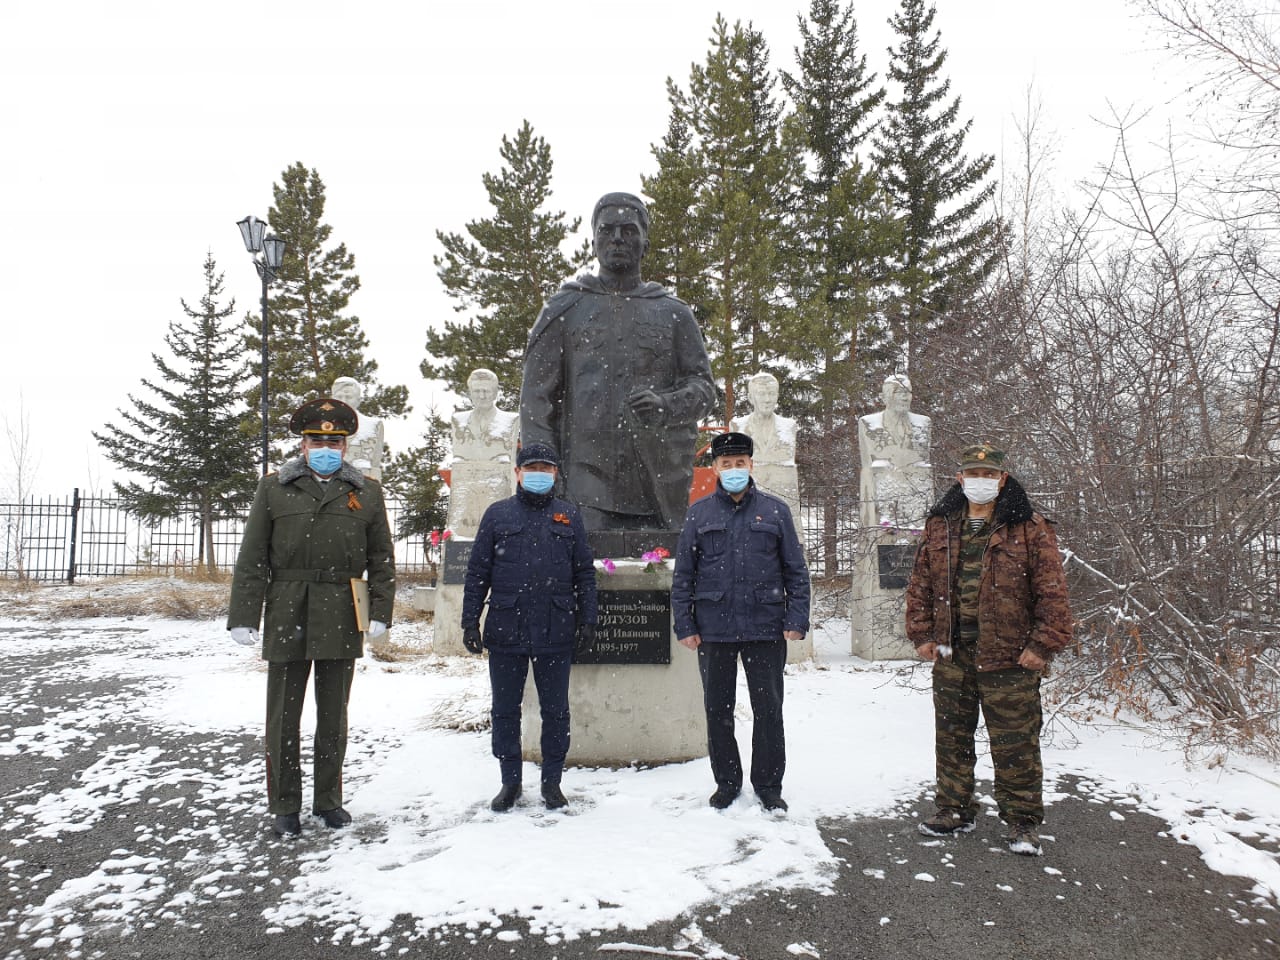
735	480
537	482
324	460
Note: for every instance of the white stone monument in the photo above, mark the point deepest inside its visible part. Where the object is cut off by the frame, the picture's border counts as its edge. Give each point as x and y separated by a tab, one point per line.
482	469
773	463
481	472
896	489
364	447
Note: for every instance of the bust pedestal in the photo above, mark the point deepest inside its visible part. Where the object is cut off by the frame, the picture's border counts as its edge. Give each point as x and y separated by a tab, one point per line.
446	634
877	606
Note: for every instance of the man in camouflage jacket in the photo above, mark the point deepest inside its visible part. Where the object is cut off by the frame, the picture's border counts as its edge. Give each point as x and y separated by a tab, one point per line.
987	603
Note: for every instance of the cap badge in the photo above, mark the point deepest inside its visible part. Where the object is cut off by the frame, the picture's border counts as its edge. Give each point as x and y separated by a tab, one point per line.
326	425
327	406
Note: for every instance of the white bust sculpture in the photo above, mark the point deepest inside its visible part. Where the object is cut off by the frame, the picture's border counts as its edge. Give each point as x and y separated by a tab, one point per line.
774	436
484	449
893	443
484	432
773	462
364	447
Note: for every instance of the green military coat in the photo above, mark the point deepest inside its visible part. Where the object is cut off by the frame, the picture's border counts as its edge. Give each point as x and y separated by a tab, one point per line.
304	542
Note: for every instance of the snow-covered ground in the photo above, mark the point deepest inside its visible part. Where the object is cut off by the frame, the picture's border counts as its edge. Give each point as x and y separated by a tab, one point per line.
419	776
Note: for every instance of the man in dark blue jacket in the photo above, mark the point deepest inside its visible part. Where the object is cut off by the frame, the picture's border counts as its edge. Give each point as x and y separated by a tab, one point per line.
741	589
532	561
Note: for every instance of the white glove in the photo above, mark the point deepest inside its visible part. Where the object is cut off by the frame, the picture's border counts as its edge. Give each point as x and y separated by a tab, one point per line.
376	629
245	636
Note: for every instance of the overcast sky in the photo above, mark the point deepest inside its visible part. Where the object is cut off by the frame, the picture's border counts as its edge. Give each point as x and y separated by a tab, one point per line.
135	135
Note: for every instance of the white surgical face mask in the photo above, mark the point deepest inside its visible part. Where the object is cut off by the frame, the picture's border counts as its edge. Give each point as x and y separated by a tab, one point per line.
981	489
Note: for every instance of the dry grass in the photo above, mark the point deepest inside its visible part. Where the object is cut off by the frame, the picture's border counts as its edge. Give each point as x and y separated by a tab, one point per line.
406	612
192	599
18	585
461	712
388	651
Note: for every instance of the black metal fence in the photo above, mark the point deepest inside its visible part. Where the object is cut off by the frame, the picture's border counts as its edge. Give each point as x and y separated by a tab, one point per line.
57	540
61	539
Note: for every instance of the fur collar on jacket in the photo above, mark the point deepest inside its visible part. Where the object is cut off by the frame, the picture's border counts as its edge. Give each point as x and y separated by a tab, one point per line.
297	468
1012	506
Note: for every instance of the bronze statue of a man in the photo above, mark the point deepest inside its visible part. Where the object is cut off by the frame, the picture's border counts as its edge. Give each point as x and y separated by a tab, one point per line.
616	378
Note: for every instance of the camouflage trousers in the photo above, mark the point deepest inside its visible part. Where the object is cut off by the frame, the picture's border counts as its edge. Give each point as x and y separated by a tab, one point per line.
1010	704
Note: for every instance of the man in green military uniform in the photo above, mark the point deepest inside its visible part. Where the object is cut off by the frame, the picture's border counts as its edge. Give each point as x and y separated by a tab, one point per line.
987	603
315	526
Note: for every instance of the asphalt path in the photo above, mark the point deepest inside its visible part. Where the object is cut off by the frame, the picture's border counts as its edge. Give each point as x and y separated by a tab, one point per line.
1108	885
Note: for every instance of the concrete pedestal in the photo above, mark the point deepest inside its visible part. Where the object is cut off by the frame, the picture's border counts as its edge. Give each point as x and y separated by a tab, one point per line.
802	650
877	609
424	598
446	632
446	635
473	485
625	713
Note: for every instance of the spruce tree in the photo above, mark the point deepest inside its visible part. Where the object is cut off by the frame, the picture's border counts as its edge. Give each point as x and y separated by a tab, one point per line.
841	264
677	256
186	439
503	270
749	163
948	245
846	236
312	339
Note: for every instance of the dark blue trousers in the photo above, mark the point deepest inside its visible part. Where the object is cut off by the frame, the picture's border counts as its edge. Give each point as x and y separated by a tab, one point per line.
763	662
507	674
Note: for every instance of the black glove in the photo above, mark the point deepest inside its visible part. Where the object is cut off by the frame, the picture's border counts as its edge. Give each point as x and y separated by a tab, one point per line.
585	640
471	639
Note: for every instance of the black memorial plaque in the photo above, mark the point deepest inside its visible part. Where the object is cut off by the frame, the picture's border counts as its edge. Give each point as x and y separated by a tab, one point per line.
456	556
634	627
895	561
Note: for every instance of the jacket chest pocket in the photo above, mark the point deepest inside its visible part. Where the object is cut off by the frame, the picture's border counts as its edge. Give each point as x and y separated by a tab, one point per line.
713	540
763	538
653	344
1009	566
589	334
508	544
562	541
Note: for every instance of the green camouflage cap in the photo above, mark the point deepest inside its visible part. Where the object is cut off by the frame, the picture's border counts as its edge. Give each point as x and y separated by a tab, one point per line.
982	455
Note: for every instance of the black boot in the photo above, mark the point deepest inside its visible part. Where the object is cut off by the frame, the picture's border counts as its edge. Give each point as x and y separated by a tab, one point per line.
334	819
286	825
771	800
552	796
506	798
723	796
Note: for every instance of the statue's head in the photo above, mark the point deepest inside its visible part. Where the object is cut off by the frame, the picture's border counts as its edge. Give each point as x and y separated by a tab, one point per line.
897	393
482	388
763	391
349	391
620	230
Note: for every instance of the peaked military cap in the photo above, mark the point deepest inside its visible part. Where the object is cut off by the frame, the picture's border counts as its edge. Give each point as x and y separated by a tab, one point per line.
732	445
982	455
537	453
326	417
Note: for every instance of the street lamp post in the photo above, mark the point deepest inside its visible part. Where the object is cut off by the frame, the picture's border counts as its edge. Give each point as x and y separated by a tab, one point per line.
268	254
